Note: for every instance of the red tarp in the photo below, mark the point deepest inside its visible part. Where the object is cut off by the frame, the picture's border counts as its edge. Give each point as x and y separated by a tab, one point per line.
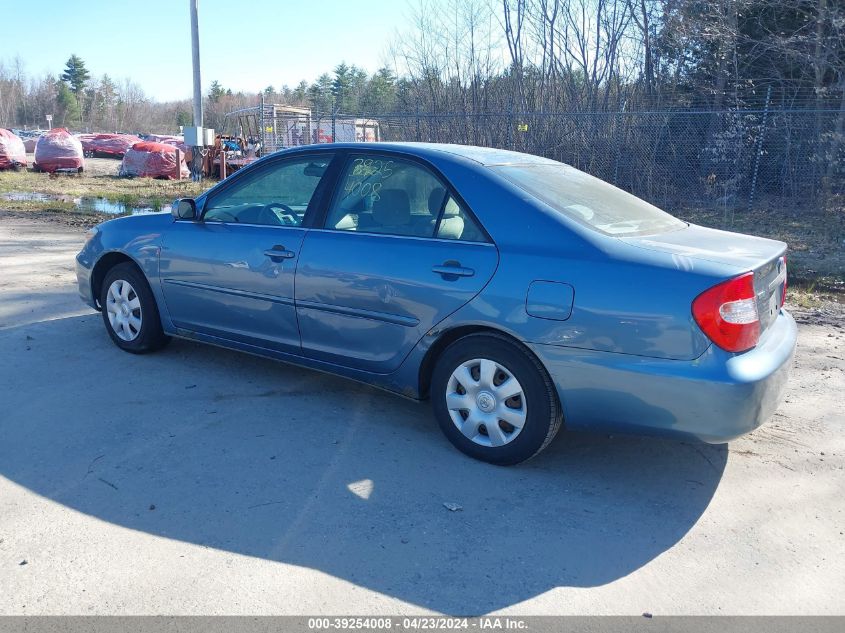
161	138
114	145
12	151
152	160
175	141
58	149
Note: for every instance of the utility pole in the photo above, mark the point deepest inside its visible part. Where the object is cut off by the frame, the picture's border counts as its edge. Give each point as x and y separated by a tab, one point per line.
195	51
196	151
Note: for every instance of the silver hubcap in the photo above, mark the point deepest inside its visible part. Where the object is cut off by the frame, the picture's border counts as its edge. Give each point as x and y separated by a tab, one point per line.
124	310
486	402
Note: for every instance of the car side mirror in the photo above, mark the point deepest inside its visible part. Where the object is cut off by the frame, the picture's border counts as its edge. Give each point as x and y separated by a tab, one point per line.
184	209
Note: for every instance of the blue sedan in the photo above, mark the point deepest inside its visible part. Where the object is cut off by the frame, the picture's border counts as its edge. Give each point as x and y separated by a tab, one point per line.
517	293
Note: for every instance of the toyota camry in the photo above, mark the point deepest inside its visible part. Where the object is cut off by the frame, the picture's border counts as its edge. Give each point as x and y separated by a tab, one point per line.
518	294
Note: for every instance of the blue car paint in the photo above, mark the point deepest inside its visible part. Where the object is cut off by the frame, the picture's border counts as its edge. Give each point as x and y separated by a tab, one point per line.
550	300
390	294
622	349
216	280
715	398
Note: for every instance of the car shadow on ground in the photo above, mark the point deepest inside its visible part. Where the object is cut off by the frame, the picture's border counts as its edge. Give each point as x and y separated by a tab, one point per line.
235	452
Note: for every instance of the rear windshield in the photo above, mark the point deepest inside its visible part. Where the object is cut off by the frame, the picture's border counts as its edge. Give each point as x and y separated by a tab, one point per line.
588	200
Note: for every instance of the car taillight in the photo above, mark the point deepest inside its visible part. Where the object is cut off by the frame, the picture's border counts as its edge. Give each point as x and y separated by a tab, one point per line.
727	314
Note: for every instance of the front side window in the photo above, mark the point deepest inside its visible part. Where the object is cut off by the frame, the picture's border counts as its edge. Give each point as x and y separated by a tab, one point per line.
277	195
589	200
383	194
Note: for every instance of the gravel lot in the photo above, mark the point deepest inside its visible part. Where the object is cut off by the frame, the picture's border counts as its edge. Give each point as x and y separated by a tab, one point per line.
199	480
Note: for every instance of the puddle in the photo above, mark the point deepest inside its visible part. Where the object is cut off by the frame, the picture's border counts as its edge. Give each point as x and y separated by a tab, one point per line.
104	205
17	196
86	204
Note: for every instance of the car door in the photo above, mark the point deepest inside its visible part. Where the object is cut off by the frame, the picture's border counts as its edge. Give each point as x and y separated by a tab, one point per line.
231	274
396	254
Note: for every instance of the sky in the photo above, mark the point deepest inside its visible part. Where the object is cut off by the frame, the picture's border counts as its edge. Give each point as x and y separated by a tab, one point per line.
244	44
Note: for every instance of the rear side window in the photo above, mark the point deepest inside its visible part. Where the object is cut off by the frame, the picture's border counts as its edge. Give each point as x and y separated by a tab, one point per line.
457	224
384	194
589	200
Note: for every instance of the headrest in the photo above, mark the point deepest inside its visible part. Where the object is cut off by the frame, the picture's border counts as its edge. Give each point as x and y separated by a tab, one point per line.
452	210
435	201
393	208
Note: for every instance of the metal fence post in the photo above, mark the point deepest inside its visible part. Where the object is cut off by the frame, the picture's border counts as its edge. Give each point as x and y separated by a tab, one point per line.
509	124
261	138
759	148
618	134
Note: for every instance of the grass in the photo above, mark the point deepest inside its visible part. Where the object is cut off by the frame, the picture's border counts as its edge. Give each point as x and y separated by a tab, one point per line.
130	192
816	244
816	293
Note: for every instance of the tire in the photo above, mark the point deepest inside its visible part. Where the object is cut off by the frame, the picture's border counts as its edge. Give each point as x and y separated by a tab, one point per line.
134	325
536	407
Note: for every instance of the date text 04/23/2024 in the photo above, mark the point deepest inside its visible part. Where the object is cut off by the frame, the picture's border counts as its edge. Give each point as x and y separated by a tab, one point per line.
422	623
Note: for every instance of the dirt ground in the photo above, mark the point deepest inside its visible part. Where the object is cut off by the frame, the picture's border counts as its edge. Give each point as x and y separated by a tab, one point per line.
199	480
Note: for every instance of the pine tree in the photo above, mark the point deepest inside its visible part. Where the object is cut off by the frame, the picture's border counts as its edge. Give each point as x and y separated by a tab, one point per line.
75	75
341	86
68	108
184	118
215	92
300	93
380	92
320	93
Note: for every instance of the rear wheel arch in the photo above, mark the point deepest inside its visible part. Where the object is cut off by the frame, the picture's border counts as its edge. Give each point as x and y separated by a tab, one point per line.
455	334
102	268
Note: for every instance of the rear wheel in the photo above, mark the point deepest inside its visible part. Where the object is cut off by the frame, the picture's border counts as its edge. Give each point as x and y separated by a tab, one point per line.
129	310
494	400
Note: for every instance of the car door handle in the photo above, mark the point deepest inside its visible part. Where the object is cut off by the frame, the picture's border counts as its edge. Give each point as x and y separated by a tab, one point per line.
452	270
279	252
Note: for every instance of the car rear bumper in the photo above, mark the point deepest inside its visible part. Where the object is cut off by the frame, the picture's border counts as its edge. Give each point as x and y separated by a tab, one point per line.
715	398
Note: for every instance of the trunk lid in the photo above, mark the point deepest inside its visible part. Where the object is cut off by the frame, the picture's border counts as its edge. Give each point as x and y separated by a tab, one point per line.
764	257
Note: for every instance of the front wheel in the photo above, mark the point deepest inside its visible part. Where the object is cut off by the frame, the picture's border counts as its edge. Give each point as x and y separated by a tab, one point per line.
494	400
129	310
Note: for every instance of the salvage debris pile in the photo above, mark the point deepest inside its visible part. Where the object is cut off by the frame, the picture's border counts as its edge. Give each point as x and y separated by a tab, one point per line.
154	160
59	150
12	151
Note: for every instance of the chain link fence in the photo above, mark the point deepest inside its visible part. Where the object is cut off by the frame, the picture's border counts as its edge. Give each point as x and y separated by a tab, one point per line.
732	159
